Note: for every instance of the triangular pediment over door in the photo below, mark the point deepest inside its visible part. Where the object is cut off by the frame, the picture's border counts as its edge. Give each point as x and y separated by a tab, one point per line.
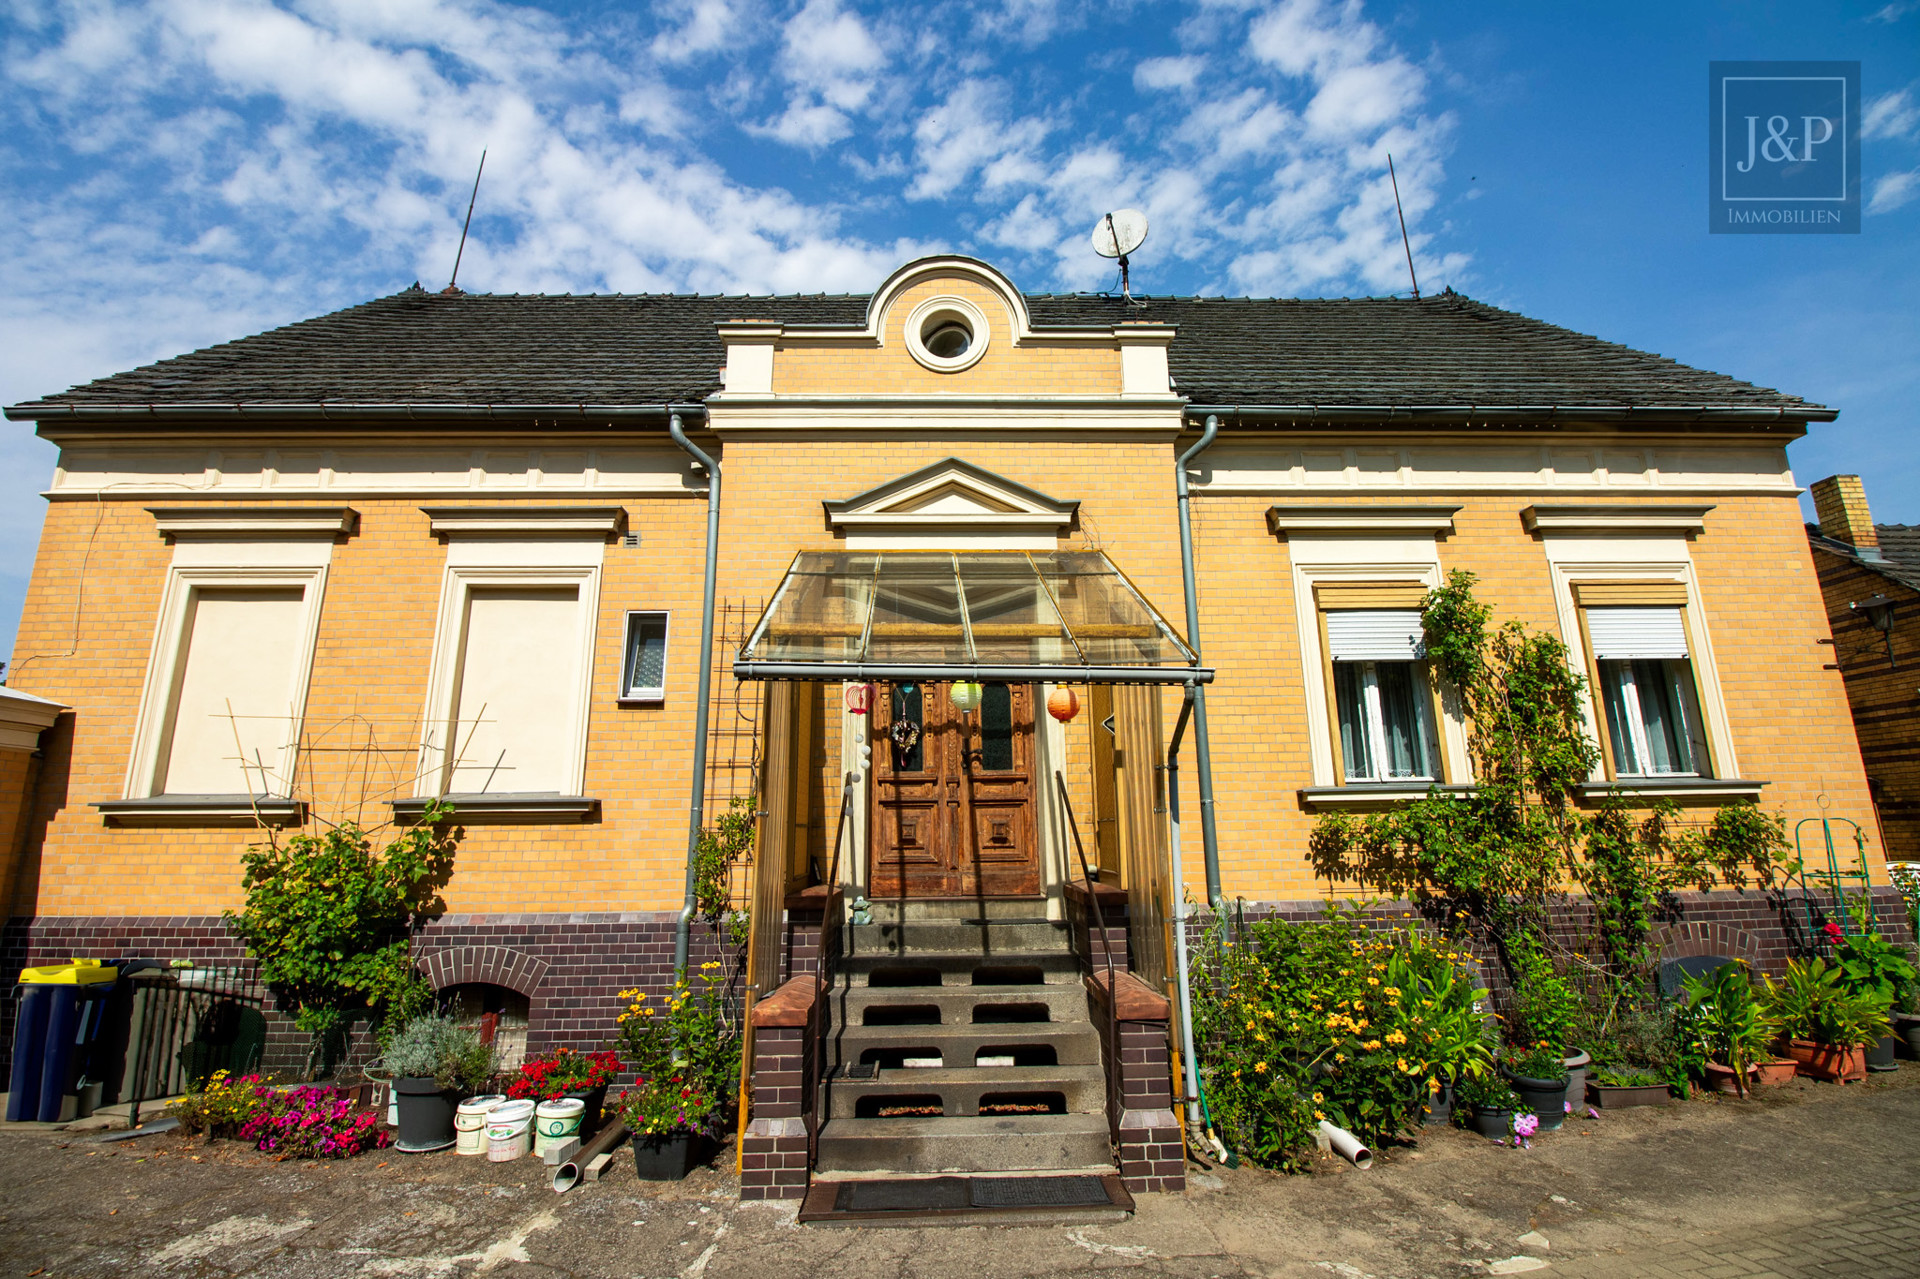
952	505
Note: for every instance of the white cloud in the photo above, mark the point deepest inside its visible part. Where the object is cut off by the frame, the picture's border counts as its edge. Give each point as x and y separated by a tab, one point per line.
705	26
1891	115
1892	190
1166	73
973	133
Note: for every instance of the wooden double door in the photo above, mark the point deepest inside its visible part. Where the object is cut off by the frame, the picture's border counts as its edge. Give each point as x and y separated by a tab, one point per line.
953	794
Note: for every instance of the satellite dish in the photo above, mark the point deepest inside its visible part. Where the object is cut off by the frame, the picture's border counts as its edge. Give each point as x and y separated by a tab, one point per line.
1119	233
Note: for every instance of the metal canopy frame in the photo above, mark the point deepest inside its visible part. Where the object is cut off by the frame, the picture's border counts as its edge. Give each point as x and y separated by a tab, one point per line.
1015	616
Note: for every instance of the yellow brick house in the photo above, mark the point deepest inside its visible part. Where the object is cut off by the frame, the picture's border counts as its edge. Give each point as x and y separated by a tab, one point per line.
590	567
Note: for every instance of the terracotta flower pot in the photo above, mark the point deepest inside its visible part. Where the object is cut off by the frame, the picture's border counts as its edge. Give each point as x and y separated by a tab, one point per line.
1724	1078
1772	1074
1828	1061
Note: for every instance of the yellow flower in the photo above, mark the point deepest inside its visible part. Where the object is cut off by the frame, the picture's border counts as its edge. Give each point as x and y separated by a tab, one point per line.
1259	1067
1371	1045
1339	1056
1318	1098
1373	981
1319	1114
1396	1037
711	963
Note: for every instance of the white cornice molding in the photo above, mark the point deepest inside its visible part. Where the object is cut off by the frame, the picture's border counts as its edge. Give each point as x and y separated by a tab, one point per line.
526	521
253	523
952	495
23	717
1613	518
1360	519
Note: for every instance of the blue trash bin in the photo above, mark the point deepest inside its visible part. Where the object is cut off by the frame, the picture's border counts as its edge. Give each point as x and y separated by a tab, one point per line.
61	1008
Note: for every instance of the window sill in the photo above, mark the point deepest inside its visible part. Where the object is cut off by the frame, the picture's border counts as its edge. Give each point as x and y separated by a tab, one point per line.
506	809
204	810
1366	796
1680	788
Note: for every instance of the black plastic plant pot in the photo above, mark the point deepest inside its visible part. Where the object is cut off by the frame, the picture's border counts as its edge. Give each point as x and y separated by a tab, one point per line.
664	1157
593	1099
1546	1098
1880	1055
426	1114
1490	1123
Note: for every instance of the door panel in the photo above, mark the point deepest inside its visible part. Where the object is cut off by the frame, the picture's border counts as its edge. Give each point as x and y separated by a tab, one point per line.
954	810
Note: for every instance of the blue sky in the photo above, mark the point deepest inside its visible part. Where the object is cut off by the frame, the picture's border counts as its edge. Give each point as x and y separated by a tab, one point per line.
181	172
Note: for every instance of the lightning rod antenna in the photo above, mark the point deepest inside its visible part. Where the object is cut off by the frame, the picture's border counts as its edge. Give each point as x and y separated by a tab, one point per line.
1404	242
468	223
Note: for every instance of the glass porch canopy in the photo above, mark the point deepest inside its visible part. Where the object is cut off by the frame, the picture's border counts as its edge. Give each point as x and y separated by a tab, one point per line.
1017	616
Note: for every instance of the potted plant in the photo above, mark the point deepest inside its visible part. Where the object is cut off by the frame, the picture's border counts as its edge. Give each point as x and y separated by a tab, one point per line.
1730	1025
1488	1104
1617	1087
566	1073
670	1118
434	1062
1539	1075
691	1033
1826	1025
1871	965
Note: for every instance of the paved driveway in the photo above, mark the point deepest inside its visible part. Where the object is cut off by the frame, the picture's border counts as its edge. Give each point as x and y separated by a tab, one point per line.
1809	1180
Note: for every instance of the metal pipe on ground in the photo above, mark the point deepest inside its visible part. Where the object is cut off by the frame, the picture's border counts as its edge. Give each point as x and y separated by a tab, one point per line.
569	1174
697	801
1203	748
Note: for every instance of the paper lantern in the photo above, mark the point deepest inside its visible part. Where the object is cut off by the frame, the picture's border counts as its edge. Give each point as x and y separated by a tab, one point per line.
859	698
1063	705
965	697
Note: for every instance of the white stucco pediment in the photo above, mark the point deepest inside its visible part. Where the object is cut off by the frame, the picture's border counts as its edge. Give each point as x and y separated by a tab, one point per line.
951	504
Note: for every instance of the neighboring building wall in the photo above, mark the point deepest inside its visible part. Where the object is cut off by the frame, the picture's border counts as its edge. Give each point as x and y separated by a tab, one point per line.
1885	695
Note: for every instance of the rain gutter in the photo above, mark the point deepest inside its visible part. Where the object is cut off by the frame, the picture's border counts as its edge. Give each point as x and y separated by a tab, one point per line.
1494	414
1209	836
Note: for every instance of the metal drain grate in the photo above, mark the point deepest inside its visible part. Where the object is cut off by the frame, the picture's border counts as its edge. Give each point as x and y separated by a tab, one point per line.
1038	1192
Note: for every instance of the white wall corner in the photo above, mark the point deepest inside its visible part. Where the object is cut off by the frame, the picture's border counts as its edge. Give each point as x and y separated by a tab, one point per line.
1143	359
23	717
749	366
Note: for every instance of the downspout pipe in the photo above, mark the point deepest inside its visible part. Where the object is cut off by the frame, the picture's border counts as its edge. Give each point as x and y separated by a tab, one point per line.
697	797
1203	749
1183	987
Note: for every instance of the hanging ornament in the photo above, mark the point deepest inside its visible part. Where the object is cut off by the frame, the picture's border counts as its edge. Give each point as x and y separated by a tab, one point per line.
1063	705
965	697
904	733
859	698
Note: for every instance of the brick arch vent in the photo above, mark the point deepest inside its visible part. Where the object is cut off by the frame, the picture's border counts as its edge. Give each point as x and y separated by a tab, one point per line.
492	965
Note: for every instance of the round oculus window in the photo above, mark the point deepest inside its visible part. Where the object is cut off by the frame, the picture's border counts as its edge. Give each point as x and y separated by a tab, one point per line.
947	334
947	338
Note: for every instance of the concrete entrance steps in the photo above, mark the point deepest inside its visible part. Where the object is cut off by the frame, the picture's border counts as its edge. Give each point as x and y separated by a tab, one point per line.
1007	1075
1085	1198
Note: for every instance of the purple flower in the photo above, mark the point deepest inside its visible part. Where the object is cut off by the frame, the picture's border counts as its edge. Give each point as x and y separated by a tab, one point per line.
1566	1108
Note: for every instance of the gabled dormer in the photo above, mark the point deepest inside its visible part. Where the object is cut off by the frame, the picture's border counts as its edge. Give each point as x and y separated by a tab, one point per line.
952	504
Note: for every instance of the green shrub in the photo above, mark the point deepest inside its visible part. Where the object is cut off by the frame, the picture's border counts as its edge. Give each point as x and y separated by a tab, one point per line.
1813	1002
331	920
1542	1061
1305	1022
1872	965
1624	1077
435	1045
1728	1020
1488	1092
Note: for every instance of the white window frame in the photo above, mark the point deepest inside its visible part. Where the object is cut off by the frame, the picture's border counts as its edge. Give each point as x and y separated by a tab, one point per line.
443	677
1640	558
166	662
1370	707
1342	556
630	696
1636	722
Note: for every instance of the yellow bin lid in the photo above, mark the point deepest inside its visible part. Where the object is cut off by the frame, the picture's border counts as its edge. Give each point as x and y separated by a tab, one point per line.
81	972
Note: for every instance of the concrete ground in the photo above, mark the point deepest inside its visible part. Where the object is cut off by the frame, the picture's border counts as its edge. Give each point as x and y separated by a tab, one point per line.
1803	1181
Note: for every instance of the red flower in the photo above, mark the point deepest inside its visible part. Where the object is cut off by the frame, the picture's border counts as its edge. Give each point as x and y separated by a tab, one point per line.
1832	930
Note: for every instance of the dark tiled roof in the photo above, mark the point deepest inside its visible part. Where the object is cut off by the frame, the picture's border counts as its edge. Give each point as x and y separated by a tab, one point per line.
1899	552
421	348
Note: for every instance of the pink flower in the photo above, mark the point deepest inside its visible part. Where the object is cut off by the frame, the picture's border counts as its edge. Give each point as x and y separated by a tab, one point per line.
1525	1126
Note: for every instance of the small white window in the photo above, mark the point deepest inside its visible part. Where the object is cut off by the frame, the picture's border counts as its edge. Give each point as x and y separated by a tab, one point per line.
1380	695
644	673
1647	686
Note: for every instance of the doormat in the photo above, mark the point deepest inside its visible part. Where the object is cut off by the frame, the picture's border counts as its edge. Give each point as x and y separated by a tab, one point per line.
957	1198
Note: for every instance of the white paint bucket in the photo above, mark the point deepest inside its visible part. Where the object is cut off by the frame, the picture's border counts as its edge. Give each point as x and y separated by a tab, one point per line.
509	1131
556	1122
470	1123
